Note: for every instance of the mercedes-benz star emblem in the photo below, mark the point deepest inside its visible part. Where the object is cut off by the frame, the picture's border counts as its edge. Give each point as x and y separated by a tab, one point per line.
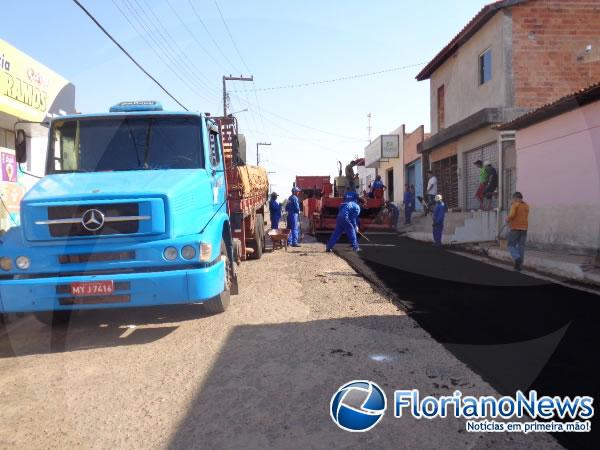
92	220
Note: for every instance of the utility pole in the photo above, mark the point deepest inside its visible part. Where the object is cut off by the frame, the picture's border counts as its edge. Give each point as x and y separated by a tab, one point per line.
271	184
257	155
230	78
369	126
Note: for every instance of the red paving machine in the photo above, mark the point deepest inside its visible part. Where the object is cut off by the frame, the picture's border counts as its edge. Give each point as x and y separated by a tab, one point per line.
374	217
313	189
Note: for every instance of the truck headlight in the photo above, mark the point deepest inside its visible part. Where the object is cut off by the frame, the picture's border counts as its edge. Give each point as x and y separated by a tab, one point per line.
23	262
6	263
170	253
205	252
188	252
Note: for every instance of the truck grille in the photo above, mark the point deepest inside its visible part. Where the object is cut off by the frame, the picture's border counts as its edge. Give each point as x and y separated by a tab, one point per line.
109	212
96	257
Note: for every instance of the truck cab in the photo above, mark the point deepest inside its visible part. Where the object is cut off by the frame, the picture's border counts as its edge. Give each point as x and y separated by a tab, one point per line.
132	212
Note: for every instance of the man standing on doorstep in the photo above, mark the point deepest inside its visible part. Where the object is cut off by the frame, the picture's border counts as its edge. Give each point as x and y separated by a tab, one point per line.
293	217
518	220
491	186
439	213
432	190
483	181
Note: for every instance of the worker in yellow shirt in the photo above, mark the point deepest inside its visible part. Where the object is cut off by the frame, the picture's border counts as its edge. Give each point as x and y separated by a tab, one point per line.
518	221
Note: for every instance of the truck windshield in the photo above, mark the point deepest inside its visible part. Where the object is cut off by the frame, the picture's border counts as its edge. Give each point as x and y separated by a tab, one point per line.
125	143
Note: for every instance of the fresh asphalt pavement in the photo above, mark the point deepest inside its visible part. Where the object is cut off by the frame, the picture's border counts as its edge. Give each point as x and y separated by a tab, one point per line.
514	330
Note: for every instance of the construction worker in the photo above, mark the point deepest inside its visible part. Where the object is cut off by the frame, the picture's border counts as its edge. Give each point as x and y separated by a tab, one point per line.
274	211
293	217
439	213
377	188
350	176
393	213
409	203
346	222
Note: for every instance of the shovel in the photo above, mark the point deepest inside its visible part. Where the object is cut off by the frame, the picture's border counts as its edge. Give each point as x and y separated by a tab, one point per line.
360	234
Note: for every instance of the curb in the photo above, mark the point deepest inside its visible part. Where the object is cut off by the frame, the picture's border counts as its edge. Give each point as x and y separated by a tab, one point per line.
563	270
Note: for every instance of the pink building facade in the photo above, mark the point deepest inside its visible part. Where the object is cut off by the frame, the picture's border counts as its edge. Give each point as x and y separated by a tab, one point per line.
558	173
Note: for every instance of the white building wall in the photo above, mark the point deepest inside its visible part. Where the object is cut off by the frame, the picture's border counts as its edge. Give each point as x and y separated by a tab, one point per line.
373	159
366	175
459	74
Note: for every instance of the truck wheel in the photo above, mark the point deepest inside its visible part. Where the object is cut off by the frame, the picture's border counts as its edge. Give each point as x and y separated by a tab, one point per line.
53	318
259	236
220	303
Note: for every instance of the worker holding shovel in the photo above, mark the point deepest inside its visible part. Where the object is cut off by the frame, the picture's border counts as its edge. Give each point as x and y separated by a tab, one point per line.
346	222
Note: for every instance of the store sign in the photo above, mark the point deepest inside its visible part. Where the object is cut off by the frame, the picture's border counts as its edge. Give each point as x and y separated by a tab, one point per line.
12	194
27	88
8	163
390	146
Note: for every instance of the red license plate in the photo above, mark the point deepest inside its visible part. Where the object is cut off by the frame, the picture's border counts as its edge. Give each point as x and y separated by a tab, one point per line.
88	288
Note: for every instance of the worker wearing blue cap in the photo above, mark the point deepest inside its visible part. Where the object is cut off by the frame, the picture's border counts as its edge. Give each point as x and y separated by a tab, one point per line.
346	222
293	216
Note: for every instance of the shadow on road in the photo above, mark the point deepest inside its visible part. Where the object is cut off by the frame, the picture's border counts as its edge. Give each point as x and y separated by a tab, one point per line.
271	387
95	329
516	331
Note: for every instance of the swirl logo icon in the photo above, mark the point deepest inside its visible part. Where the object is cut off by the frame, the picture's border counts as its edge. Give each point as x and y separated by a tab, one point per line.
358	406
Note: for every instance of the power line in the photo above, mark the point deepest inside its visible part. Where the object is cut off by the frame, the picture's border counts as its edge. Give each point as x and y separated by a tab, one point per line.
237	50
128	55
350	138
192	34
214	41
177	51
165	54
333	80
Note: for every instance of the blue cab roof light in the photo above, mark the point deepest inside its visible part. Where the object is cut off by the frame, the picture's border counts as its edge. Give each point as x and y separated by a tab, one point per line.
140	105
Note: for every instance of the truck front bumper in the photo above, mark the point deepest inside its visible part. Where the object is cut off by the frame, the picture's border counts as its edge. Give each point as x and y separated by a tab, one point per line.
189	285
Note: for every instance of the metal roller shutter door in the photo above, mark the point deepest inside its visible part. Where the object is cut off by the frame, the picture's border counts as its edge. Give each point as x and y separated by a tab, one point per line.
446	171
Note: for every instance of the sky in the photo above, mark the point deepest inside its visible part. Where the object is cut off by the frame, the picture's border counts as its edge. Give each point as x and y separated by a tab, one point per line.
188	45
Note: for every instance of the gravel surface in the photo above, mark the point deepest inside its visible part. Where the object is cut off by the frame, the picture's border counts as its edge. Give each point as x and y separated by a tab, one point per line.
260	375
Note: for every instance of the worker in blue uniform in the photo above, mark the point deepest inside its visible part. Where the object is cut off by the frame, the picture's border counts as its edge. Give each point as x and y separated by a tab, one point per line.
293	217
393	212
346	222
377	187
439	213
274	211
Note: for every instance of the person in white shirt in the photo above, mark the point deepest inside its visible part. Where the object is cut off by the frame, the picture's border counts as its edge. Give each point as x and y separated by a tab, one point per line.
432	189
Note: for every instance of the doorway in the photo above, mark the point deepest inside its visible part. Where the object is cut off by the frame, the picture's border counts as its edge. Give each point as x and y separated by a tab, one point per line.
390	184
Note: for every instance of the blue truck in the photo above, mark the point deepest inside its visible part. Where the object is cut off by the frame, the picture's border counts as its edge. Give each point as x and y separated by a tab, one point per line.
138	207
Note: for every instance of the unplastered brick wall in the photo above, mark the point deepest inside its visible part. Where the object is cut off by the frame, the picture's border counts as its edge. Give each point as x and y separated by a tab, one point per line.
411	140
552	56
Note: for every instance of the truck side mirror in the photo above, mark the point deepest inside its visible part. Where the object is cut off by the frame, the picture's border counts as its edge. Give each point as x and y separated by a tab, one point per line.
20	146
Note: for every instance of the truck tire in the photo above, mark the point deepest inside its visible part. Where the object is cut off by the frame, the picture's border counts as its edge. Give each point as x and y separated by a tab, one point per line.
53	318
220	303
259	237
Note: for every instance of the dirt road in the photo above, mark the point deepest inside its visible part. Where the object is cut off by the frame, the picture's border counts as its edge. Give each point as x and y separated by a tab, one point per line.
261	375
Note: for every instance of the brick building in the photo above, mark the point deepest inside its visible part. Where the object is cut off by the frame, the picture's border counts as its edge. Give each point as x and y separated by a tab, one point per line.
513	56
